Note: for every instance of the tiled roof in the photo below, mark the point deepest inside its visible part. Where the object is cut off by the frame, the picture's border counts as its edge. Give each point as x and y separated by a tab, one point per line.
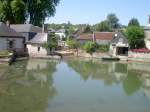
119	37
26	28
104	35
6	31
40	38
85	37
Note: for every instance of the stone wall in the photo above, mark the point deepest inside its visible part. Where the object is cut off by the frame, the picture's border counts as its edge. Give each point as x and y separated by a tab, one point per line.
82	53
139	55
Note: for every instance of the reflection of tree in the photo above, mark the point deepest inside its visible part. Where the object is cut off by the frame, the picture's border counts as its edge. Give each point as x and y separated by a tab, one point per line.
132	83
94	70
20	91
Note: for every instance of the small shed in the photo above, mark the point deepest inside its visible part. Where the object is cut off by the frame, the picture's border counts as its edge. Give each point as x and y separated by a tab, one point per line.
35	45
119	45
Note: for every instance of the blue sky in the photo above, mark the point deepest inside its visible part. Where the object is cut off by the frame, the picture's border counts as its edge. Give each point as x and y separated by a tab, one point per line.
94	11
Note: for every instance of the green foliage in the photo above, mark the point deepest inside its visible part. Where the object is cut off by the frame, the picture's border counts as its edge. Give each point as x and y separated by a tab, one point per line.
73	44
135	37
40	9
113	21
52	42
102	48
87	29
90	47
134	22
6	11
18	11
103	26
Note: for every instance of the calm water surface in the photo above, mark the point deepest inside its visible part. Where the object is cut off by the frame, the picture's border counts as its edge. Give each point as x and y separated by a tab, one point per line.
74	85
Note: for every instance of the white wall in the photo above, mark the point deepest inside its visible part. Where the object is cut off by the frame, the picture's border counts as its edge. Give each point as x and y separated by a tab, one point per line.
18	43
102	42
147	38
33	51
61	35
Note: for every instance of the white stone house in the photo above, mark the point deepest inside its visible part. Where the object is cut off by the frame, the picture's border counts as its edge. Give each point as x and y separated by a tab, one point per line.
119	45
61	34
35	45
27	30
11	40
147	35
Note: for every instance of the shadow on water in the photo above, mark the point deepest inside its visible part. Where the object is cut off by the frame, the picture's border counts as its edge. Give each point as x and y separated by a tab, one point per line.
26	86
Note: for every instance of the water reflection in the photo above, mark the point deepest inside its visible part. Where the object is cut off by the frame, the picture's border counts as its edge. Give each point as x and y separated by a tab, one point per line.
74	85
128	75
27	86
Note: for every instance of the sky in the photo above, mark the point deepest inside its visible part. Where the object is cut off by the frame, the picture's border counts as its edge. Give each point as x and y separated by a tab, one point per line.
94	11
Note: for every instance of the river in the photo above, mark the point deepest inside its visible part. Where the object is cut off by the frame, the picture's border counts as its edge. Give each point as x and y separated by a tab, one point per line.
74	85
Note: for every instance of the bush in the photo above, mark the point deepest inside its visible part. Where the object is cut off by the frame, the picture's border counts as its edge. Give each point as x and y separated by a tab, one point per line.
73	44
103	48
90	47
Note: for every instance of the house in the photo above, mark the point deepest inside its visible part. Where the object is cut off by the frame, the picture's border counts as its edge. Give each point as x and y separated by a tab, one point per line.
119	45
147	35
84	38
35	38
61	34
10	39
103	38
27	30
35	45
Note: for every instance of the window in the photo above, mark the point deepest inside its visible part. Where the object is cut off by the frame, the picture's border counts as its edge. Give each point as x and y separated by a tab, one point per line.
10	44
38	49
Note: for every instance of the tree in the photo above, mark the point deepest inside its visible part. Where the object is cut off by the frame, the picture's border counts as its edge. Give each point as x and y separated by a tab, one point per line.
135	37
5	11
18	11
87	29
52	42
103	26
134	22
40	9
113	21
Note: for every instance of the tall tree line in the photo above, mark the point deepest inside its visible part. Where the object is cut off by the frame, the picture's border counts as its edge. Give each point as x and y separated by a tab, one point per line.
19	11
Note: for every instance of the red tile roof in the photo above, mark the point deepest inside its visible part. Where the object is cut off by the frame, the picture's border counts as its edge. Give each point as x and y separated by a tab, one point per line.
85	37
104	35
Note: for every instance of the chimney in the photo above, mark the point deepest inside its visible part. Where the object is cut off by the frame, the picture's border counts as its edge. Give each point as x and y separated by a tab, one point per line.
8	23
94	37
149	19
43	29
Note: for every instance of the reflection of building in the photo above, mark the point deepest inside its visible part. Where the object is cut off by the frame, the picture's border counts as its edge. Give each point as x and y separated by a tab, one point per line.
40	69
145	78
139	67
119	71
23	86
